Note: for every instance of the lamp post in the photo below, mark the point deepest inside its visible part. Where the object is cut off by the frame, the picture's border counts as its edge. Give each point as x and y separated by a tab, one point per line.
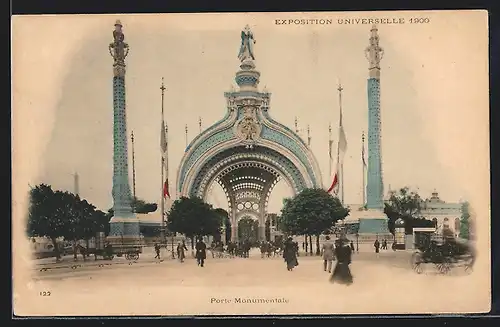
173	255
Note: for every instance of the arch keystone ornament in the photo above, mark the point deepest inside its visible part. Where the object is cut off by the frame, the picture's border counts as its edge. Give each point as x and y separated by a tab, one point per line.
247	152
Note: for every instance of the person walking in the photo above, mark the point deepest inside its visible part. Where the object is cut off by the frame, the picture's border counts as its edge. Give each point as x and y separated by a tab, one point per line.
342	273
352	246
376	245
328	250
157	250
384	244
181	247
290	254
201	252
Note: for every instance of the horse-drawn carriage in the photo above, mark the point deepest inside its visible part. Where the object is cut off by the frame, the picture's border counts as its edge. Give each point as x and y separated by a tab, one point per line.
445	255
108	252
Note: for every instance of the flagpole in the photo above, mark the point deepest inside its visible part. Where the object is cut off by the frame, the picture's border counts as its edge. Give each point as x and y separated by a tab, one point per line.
199	123
364	169
330	150
308	136
133	164
341	175
162	203
186	130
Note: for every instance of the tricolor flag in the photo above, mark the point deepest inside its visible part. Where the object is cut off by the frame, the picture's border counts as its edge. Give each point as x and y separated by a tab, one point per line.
163	140
166	193
342	144
164	153
335	183
363	154
342	148
330	143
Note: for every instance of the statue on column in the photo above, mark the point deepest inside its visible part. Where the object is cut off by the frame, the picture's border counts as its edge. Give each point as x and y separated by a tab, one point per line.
119	48
247	42
374	52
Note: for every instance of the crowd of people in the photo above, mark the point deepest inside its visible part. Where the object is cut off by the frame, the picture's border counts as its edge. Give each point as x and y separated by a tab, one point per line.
339	251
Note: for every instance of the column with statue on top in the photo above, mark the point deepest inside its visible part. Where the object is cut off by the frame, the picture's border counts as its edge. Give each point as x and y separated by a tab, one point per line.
124	226
373	220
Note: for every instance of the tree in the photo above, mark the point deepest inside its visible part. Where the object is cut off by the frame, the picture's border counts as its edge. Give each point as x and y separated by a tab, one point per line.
55	214
141	206
46	217
311	212
138	206
224	218
248	229
268	229
193	218
465	221
405	204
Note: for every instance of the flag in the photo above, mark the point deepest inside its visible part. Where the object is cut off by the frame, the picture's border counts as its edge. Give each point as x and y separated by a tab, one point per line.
342	143
363	155
163	140
166	193
164	147
335	183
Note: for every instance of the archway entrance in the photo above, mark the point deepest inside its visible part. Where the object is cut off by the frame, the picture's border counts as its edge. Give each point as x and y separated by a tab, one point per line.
247	153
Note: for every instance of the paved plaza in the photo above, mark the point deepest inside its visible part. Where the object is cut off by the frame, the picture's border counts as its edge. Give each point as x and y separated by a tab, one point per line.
383	283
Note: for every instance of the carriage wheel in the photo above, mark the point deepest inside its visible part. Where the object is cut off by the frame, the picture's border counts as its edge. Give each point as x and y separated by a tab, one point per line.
127	256
134	256
416	262
468	265
444	267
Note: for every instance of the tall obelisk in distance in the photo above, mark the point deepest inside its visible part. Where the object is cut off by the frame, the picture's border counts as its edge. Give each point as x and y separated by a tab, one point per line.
124	226
374	221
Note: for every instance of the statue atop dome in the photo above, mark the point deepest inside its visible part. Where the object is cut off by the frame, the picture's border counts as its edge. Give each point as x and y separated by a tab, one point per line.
247	42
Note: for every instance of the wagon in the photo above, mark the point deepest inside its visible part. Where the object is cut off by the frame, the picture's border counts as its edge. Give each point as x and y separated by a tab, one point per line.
446	256
130	253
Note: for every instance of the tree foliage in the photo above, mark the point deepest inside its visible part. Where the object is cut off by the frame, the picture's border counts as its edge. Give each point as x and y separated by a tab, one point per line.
407	205
465	221
226	222
139	206
193	218
404	204
55	214
248	229
311	212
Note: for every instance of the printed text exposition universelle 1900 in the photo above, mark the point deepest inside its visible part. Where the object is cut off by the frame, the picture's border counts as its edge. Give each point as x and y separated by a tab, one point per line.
353	21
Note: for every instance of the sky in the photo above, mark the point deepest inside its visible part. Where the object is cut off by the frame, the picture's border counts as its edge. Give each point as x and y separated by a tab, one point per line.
434	96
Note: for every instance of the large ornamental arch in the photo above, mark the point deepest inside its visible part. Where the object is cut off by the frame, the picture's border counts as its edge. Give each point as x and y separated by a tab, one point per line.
247	152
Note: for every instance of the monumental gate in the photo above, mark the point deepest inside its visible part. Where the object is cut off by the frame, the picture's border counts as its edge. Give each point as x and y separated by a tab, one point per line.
247	152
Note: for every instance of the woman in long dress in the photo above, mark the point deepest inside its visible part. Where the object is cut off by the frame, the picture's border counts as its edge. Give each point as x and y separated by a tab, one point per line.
342	273
290	254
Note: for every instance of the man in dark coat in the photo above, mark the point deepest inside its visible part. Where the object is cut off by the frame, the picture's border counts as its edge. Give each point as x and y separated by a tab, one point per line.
290	254
342	273
157	250
201	252
376	245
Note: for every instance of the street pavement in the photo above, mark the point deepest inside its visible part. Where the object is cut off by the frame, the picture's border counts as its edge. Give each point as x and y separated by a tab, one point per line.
383	283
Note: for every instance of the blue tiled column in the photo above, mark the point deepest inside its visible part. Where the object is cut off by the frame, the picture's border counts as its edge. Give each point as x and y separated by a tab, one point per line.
374	185
124	224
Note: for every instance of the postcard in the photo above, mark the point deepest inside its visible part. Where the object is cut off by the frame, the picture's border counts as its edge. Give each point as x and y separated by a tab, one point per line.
324	163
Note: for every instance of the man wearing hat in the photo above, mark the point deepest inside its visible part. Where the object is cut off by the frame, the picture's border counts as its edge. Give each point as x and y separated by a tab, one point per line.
328	254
